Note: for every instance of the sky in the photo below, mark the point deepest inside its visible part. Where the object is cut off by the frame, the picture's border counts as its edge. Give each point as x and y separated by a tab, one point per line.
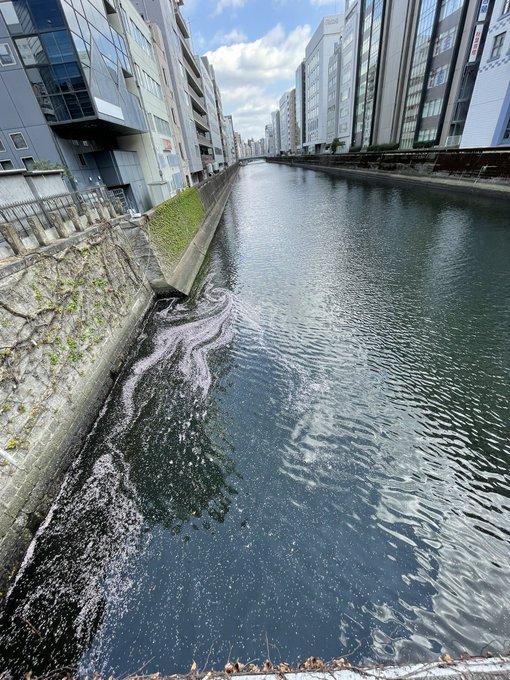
255	47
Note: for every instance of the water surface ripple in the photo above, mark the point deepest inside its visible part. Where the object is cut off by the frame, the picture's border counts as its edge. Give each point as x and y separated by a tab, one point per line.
311	453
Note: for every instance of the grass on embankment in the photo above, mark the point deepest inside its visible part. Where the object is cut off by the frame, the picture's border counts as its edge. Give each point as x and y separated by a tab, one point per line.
174	223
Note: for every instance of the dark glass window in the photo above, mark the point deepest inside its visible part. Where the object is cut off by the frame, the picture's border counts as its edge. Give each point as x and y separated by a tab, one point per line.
2	146
38	15
6	165
28	162
6	58
58	46
18	140
497	46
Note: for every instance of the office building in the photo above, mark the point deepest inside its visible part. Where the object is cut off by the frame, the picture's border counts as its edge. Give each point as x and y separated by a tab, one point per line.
334	75
317	55
214	160
275	120
300	107
77	65
288	137
488	120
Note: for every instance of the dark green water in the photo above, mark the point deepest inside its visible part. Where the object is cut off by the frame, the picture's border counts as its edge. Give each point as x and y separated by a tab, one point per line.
313	449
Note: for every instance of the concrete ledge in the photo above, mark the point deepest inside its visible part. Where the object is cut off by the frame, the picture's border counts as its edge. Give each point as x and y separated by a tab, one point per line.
185	273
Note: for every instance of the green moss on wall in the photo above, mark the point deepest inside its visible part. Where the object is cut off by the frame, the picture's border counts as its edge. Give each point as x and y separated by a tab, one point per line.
174	223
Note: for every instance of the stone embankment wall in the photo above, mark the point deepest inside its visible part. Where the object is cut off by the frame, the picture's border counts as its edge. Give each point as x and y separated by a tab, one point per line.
488	169
67	314
68	311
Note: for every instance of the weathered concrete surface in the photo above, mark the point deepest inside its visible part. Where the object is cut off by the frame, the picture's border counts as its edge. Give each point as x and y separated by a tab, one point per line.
214	196
500	188
179	277
67	314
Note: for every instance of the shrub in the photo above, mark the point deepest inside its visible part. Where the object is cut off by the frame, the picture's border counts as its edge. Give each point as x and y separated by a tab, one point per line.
383	147
424	145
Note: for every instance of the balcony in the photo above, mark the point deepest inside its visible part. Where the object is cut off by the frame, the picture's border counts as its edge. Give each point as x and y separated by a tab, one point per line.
207	158
181	23
204	141
201	122
198	103
193	81
189	58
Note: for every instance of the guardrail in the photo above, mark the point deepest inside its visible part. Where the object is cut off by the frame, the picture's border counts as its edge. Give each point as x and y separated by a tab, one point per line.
25	225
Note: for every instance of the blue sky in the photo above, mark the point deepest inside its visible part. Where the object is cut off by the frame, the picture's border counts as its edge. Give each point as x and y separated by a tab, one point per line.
255	47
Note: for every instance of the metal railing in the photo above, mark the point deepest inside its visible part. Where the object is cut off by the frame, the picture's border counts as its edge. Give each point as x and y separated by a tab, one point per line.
20	213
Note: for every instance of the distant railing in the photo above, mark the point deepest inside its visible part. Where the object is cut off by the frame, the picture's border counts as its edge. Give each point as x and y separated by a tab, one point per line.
27	224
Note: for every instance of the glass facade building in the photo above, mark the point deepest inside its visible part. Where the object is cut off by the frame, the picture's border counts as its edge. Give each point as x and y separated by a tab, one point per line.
371	25
68	49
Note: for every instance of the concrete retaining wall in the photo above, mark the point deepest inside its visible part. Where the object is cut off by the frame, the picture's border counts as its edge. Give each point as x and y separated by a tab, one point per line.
178	277
420	168
67	315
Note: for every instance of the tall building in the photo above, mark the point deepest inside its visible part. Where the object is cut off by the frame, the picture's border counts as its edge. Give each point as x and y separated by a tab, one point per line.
334	75
317	56
488	119
269	139
288	138
275	119
238	145
469	68
349	63
186	80
439	66
231	156
171	102
369	53
76	63
300	107
157	149
214	160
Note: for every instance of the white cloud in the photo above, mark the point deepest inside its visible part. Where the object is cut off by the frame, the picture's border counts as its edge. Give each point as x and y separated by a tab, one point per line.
253	75
234	36
322	3
225	4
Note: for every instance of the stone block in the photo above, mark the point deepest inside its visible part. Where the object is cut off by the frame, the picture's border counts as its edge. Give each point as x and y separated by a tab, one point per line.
11	236
39	231
58	223
74	217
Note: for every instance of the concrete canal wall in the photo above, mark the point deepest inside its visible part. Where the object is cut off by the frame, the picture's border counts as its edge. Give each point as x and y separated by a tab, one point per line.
68	313
172	240
487	170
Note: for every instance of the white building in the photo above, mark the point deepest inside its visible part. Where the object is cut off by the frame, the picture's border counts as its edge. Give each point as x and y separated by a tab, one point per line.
334	75
300	107
157	149
269	139
288	139
230	149
318	53
217	160
488	119
347	84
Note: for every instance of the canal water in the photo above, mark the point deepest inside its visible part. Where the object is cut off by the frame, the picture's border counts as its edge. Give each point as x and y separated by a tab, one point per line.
309	456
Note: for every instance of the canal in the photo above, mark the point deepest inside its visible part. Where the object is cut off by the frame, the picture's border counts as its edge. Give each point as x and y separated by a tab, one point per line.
310	455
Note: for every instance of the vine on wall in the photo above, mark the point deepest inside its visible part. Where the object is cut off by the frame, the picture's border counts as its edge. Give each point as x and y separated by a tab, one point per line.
56	316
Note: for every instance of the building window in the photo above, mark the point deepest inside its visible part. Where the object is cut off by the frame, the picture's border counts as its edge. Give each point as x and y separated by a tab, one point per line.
438	76
2	146
82	160
506	7
6	58
6	165
432	108
28	162
18	140
497	46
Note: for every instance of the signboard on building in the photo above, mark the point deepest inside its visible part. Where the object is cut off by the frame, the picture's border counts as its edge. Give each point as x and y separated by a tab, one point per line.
167	144
484	8
475	45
